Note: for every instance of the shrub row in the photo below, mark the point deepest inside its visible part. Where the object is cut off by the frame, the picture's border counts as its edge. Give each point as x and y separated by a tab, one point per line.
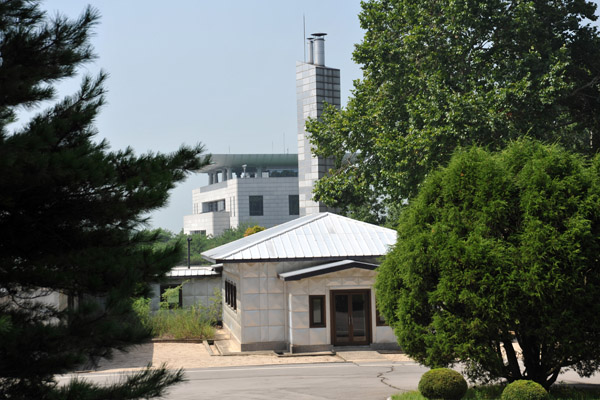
447	384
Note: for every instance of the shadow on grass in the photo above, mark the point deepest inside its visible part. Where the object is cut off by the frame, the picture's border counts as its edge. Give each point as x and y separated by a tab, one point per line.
575	391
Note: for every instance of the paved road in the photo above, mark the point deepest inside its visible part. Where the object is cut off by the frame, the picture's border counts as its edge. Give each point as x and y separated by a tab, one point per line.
331	381
303	382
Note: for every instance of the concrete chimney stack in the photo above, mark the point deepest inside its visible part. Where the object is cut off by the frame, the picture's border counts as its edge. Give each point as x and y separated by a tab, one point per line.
319	48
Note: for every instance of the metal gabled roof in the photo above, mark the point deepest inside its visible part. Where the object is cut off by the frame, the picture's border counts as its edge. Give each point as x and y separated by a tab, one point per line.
315	236
184	271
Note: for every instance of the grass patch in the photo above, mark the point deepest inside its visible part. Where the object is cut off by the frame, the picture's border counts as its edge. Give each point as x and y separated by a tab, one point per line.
478	392
412	395
172	322
184	323
557	392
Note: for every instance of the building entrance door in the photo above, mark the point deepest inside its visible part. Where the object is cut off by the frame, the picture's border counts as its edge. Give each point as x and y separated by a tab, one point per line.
351	317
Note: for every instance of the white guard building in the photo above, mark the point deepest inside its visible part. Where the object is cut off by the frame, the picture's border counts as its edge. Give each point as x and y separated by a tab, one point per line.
305	285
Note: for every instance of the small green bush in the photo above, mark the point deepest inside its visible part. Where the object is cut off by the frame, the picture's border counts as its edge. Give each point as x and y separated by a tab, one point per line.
524	390
442	383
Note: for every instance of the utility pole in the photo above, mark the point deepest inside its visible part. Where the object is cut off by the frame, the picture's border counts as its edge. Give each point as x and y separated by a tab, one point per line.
189	240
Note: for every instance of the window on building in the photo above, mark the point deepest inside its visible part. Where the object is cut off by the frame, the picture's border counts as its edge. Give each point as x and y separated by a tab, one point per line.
294	202
379	320
231	295
282	173
317	311
201	232
213	206
174	298
256	205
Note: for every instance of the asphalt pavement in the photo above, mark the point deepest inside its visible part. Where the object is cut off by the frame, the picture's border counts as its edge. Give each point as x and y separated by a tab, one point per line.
346	374
320	381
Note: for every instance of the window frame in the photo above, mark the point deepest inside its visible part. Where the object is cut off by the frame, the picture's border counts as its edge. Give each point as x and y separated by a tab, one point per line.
214	206
165	286
323	323
231	295
296	203
379	320
255	212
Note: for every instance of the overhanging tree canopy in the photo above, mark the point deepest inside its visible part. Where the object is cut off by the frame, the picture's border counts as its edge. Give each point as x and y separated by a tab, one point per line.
500	249
70	217
441	74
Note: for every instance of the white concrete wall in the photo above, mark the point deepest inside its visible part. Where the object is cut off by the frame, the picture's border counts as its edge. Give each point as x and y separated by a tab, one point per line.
271	310
263	315
232	319
53	298
385	334
195	291
44	297
298	292
236	193
300	331
275	192
262	309
213	223
199	291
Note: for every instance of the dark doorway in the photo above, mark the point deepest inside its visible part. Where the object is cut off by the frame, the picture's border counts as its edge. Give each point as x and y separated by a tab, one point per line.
351	317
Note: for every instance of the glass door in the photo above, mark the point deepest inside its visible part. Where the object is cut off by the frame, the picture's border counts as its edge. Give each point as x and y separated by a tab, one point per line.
351	323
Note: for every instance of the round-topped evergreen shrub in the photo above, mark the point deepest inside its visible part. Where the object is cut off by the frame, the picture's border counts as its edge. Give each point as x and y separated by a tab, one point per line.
442	383
524	390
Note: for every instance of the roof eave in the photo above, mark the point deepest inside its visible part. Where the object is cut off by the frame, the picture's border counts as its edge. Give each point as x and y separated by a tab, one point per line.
311	272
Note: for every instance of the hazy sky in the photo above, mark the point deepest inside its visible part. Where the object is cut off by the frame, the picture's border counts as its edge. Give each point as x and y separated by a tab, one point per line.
217	72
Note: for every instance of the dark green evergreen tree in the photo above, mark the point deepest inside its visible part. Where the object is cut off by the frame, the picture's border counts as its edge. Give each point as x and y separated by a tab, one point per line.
72	214
498	254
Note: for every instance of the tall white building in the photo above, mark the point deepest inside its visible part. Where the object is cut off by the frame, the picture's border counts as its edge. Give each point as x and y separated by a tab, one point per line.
259	189
316	84
270	189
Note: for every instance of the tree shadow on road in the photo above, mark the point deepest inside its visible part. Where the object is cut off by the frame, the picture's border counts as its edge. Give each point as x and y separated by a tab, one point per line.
138	356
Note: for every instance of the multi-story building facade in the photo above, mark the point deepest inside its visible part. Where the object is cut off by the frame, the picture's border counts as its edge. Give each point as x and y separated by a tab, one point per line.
270	189
257	189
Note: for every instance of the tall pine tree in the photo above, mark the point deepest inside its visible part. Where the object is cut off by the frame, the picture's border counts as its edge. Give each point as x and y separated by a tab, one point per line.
71	213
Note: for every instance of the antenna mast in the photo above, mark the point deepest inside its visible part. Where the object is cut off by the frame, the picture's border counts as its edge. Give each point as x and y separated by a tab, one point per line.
304	35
